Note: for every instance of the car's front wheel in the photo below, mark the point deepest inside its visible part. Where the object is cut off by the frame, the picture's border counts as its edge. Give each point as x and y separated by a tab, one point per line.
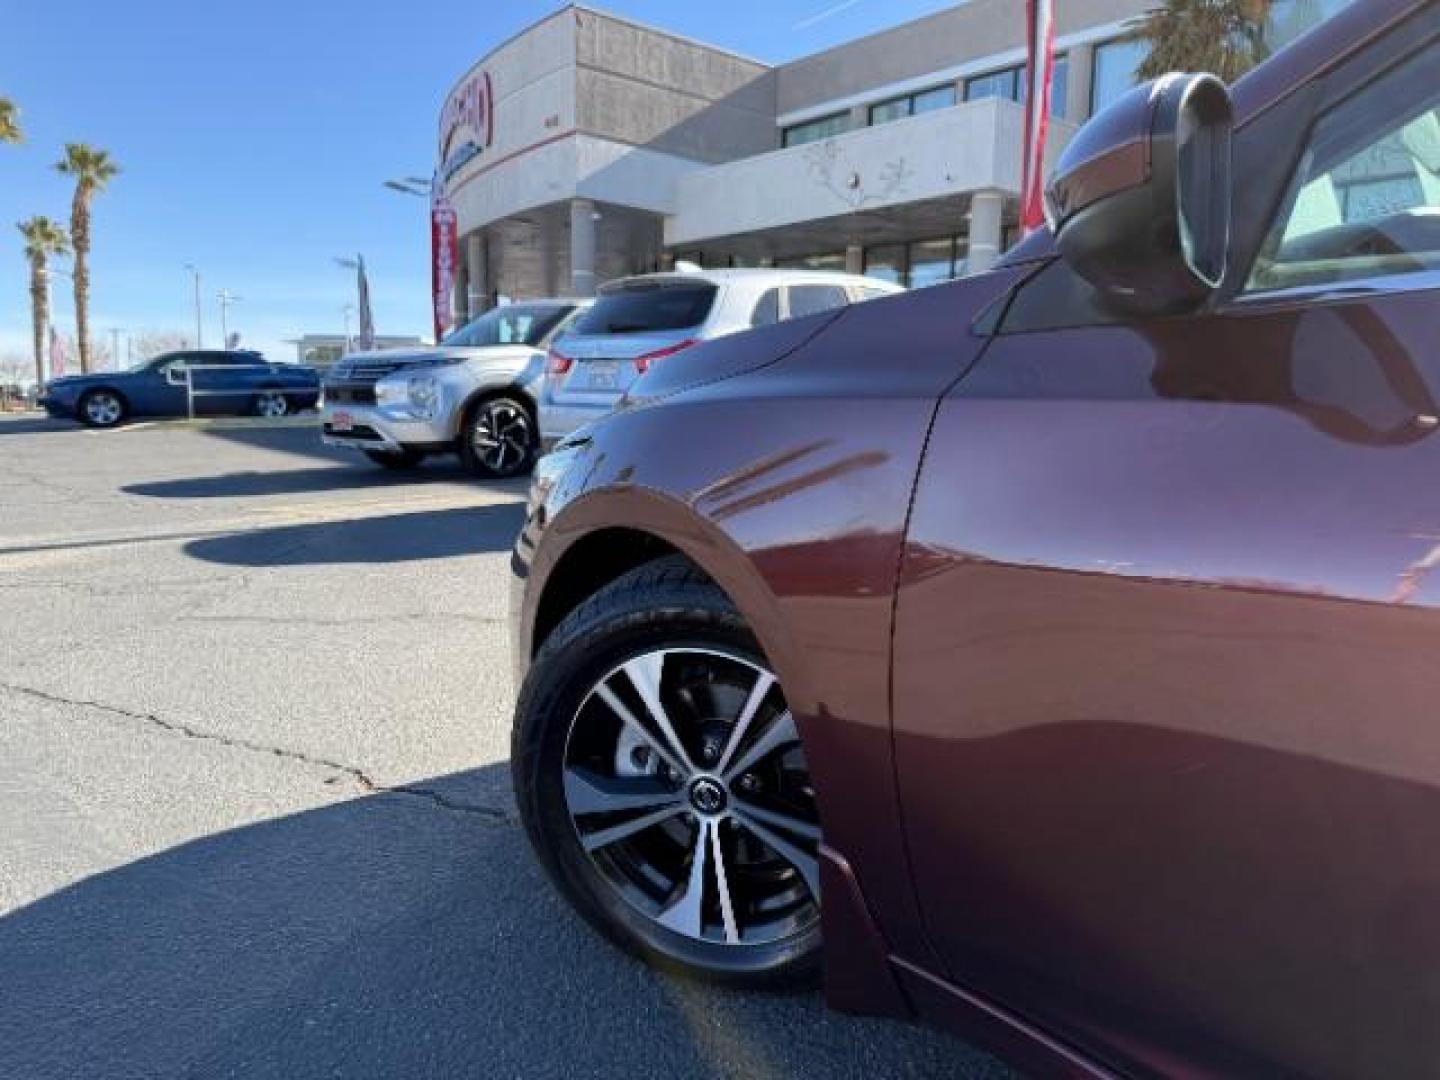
661	779
499	439
101	409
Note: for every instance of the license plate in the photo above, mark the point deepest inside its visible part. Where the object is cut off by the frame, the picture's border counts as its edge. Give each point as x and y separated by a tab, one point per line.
341	421
604	374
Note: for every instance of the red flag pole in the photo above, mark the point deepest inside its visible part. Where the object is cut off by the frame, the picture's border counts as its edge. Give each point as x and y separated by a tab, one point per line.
1040	39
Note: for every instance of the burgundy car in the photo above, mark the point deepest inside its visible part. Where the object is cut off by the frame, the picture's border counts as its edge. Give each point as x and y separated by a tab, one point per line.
1057	651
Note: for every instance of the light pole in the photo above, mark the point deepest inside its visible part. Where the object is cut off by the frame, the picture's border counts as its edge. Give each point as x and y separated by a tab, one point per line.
115	333
199	319
226	298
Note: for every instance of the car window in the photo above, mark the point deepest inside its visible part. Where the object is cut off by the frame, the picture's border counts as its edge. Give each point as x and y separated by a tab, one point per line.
645	307
813	299
1366	201
513	324
767	310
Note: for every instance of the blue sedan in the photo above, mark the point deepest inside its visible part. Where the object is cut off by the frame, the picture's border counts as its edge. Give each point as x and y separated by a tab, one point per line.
217	382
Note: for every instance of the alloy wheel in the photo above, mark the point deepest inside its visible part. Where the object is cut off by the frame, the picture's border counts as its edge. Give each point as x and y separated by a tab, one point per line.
688	791
502	436
272	405
103	409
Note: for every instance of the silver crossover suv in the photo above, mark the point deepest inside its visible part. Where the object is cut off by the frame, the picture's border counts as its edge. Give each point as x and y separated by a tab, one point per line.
638	321
472	395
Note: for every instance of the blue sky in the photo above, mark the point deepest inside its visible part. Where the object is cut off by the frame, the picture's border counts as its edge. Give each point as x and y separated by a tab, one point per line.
255	135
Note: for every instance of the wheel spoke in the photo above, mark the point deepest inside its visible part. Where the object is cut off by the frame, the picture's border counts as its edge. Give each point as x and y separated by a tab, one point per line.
645	673
794	825
630	721
605	837
722	886
804	863
590	793
686	915
780	733
763	682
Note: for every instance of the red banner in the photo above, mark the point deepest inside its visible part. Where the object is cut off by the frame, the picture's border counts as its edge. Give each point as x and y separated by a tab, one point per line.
1040	36
444	260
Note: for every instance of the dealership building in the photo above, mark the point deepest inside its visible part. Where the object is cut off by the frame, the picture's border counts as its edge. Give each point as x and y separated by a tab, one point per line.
589	146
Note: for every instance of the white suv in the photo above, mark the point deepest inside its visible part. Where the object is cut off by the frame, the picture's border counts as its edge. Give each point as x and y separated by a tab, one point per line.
473	394
637	321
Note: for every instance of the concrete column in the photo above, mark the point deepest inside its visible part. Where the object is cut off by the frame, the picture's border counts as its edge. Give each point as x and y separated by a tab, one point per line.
854	259
477	274
459	290
987	217
1077	87
582	247
859	117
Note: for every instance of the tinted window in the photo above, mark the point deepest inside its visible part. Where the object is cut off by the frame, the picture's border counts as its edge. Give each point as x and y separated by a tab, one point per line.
637	309
813	131
513	324
1367	200
767	311
813	299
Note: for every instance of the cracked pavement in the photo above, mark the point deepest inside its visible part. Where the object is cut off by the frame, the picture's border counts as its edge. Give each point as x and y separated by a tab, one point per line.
255	814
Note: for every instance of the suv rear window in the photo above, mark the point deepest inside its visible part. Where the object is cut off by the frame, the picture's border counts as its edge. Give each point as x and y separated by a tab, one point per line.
637	309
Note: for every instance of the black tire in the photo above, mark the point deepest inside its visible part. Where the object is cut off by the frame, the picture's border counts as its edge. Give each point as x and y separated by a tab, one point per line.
403	461
508	425
667	603
272	404
91	409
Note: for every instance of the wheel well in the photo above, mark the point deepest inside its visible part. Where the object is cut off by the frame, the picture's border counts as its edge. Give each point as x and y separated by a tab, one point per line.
481	396
89	392
588	566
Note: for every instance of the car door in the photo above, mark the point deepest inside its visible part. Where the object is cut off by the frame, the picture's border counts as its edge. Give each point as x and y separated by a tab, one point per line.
159	390
1167	649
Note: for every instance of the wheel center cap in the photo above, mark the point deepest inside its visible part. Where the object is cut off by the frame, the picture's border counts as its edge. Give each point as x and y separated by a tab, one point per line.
708	796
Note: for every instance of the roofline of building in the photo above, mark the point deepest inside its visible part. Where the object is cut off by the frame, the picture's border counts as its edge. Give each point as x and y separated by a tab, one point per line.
588	9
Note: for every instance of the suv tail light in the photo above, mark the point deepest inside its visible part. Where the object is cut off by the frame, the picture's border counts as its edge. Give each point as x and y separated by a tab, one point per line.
557	363
642	363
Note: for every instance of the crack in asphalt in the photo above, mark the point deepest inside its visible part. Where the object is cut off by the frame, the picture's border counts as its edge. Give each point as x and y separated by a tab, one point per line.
361	778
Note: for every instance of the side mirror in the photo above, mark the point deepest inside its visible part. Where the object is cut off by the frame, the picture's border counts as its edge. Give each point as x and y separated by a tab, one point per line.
1140	200
175	376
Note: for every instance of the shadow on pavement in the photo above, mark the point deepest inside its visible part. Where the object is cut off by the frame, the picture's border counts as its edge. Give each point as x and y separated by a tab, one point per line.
387	936
430	534
30	424
285	482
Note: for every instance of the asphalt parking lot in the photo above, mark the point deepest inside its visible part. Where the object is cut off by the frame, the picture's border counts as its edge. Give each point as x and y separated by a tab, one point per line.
255	816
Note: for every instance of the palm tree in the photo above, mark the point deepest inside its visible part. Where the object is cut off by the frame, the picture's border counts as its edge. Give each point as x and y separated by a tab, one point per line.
44	238
92	169
10	122
1224	37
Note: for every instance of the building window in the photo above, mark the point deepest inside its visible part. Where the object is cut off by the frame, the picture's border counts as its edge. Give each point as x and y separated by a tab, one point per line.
1288	19
916	265
886	263
829	261
1114	71
826	127
941	97
1012	85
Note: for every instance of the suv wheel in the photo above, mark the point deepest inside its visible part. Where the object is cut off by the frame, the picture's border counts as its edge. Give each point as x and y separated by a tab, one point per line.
499	439
661	780
101	409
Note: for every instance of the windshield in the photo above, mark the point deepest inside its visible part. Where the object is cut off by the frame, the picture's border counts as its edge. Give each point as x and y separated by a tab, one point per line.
514	324
645	308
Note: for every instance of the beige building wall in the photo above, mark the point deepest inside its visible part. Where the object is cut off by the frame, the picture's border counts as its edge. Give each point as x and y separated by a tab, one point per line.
967	32
644	87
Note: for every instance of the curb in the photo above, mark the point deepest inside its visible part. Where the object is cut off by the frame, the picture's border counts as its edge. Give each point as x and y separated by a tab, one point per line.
224	423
